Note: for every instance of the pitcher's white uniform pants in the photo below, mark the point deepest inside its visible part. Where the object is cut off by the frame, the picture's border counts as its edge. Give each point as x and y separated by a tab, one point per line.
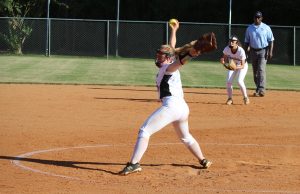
173	110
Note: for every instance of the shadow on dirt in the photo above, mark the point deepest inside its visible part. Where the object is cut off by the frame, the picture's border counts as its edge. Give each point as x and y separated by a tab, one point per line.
77	164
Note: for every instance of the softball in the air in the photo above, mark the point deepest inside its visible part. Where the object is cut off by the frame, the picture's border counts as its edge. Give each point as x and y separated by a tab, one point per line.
173	22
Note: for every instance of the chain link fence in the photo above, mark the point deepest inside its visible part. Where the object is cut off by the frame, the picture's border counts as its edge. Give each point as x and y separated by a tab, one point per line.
135	39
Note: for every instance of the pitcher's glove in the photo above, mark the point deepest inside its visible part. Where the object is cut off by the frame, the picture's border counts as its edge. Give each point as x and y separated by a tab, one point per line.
206	43
230	65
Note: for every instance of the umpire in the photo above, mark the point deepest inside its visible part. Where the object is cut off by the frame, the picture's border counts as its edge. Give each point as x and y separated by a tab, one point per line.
259	40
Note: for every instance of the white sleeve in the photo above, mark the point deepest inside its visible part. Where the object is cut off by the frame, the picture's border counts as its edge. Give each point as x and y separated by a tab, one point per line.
243	54
226	51
270	35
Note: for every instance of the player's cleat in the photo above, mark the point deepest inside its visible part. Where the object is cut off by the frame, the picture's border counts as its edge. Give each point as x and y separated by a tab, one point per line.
256	94
229	101
206	163
261	94
131	168
246	101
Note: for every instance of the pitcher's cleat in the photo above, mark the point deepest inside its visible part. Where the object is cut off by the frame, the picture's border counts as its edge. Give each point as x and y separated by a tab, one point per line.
246	101
229	101
131	168
205	163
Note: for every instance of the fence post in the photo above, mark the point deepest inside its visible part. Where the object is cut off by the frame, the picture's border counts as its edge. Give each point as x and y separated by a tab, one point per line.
117	34
229	22
107	40
48	30
167	32
294	45
49	38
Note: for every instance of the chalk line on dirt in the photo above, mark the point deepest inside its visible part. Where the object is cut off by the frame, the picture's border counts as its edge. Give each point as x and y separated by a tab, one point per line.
18	160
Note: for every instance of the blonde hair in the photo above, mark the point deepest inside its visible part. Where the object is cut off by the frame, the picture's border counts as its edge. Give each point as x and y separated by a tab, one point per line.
167	50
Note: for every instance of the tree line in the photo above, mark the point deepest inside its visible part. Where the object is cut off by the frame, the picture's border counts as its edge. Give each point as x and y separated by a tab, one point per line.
275	12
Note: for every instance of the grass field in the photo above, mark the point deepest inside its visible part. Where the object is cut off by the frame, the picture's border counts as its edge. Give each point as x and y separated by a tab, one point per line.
120	71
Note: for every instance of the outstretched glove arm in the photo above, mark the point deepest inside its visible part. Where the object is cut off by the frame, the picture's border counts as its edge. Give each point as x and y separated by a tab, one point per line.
206	43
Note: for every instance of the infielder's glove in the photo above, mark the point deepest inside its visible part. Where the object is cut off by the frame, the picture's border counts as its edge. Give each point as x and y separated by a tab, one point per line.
230	65
206	43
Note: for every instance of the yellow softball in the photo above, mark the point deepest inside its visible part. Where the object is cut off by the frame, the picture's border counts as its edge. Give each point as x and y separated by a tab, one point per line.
173	22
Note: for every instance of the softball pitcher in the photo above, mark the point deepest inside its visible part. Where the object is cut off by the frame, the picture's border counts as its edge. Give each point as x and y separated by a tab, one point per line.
237	53
173	110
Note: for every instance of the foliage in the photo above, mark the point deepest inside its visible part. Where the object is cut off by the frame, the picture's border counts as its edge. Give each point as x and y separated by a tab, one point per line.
18	30
204	11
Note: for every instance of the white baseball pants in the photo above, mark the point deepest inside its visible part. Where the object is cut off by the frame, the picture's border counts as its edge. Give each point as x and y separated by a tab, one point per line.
173	110
241	74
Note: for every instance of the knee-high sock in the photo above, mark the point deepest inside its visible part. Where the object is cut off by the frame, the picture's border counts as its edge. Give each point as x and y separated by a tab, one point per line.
139	149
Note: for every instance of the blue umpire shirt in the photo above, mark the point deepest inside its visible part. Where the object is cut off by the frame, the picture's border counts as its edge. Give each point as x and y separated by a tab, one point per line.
258	37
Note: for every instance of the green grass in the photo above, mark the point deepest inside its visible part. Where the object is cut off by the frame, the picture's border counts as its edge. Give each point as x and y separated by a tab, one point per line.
120	71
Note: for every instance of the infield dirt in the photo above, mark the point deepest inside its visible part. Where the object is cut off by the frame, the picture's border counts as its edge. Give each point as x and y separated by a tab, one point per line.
75	139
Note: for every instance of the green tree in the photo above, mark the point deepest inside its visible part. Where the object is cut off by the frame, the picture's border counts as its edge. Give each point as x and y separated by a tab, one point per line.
18	28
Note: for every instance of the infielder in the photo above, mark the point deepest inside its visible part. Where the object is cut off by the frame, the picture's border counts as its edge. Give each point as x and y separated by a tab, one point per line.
174	108
235	52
